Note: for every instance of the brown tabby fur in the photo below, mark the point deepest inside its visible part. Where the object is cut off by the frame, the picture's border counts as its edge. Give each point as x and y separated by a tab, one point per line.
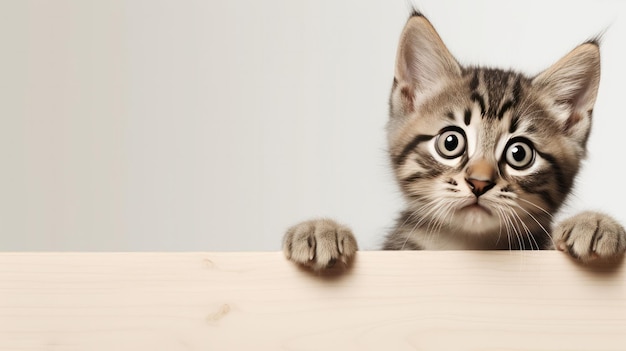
483	156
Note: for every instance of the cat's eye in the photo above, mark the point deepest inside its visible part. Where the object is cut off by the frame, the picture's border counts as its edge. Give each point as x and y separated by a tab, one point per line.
450	143
520	154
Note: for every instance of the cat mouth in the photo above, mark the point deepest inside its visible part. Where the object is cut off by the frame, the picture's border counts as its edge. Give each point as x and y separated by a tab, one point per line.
476	208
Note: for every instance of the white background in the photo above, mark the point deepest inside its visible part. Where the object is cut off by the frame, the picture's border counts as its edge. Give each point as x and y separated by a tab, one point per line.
215	125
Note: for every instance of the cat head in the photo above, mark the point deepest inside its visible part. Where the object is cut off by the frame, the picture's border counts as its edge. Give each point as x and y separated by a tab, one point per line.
482	150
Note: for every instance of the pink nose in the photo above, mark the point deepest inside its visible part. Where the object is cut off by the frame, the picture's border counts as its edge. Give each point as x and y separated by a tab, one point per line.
479	187
480	176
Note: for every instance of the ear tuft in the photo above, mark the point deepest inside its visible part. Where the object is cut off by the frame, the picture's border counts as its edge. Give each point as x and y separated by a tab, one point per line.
416	13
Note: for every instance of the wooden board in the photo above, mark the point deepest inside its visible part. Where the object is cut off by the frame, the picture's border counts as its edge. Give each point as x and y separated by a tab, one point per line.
461	300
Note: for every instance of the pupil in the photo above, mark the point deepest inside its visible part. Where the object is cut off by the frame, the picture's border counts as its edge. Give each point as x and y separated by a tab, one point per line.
518	153
451	143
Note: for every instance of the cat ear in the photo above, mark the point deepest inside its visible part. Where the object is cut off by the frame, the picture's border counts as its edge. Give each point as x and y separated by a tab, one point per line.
423	63
569	88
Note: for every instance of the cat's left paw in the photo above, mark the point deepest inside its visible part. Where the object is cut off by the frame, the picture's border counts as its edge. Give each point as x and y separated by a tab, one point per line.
590	235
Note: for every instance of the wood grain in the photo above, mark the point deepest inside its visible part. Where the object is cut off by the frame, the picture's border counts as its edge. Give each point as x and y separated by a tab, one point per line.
461	300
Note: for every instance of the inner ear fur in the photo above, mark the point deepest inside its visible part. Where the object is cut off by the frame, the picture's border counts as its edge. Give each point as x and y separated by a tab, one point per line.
570	87
423	62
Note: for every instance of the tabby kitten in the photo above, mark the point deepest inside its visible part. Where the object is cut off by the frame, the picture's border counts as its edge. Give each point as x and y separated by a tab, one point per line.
484	158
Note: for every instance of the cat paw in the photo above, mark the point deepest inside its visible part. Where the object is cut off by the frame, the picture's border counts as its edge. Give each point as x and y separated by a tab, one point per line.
319	244
590	235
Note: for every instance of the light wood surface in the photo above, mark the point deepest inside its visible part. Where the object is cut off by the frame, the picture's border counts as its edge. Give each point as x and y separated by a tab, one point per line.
461	300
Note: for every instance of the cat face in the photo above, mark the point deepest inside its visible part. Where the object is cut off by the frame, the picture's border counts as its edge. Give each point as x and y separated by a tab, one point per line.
486	151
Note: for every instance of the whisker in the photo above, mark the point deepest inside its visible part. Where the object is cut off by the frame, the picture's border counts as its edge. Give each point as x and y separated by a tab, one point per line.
413	215
526	229
501	222
517	233
537	206
433	223
442	218
421	219
536	221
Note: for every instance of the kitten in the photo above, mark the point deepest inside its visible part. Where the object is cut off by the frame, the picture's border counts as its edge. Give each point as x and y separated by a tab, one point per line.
484	158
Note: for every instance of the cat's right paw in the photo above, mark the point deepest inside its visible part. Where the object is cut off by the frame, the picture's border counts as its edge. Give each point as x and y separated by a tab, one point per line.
319	244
